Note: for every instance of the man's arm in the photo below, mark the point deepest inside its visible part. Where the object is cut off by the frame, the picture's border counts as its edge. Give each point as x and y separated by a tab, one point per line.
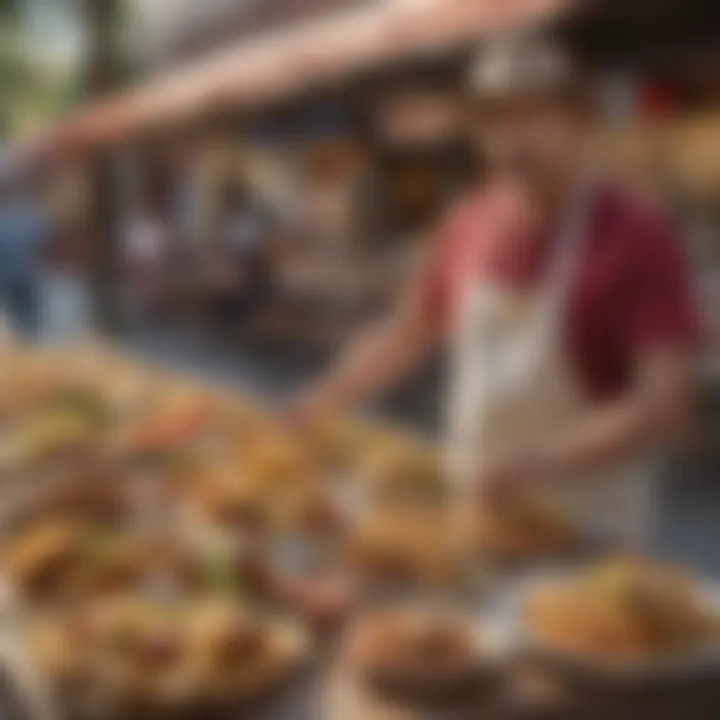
656	411
661	323
381	356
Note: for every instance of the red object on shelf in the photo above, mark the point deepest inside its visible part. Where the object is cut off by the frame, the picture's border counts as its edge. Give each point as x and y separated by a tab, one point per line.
658	100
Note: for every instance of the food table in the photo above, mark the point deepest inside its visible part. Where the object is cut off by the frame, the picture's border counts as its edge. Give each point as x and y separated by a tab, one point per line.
56	418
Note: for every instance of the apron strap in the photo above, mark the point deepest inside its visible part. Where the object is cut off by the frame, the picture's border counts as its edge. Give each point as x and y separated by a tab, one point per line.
567	250
571	241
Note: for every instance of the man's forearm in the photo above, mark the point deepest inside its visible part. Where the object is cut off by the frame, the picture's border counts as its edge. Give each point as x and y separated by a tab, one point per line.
656	411
604	437
609	435
375	361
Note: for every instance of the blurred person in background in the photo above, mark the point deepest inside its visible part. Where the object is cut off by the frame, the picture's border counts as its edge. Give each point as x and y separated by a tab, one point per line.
147	240
24	235
237	277
67	307
181	163
566	306
324	270
423	161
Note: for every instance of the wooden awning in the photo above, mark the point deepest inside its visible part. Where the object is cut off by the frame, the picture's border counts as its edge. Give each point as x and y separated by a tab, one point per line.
282	62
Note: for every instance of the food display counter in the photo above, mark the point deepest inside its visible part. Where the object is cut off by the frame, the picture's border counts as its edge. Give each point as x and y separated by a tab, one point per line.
171	549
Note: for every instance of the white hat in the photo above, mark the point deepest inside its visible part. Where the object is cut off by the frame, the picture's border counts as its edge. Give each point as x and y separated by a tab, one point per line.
522	63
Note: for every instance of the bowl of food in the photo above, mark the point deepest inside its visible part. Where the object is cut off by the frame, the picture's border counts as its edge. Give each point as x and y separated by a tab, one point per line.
139	657
622	620
425	654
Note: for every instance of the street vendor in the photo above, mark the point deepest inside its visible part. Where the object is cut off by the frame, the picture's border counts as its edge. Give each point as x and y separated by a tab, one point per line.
566	305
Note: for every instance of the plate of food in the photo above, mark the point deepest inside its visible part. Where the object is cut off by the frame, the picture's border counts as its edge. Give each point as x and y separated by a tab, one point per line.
176	417
619	619
66	426
335	444
28	377
396	469
515	534
271	488
72	559
82	539
408	545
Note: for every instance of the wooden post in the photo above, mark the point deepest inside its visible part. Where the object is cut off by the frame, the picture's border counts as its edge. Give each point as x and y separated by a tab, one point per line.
103	74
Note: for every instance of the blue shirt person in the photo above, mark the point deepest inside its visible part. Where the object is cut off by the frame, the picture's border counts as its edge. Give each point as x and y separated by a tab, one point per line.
23	235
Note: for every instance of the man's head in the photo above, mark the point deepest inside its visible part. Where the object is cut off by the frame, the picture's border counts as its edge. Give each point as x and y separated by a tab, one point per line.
530	109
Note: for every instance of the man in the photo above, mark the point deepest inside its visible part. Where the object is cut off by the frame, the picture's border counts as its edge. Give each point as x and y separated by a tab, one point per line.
567	306
23	235
240	281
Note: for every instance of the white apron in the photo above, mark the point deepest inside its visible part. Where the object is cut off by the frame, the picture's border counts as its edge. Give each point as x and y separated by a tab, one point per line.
512	385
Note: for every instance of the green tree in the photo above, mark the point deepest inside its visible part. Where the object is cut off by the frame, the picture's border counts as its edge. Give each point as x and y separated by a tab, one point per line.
9	9
33	90
36	90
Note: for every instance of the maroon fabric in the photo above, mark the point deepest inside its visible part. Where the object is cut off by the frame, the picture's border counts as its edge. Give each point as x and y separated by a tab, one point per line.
631	290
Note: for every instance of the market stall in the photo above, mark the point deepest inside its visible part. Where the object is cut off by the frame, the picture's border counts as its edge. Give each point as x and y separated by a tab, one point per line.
173	548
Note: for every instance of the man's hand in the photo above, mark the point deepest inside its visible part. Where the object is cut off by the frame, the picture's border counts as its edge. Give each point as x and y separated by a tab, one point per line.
306	412
384	353
652	413
502	478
